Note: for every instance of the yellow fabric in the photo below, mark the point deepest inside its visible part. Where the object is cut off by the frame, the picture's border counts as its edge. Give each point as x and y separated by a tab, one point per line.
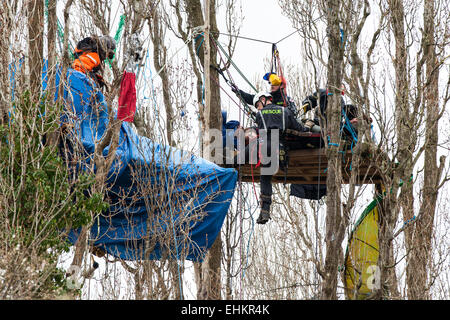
362	256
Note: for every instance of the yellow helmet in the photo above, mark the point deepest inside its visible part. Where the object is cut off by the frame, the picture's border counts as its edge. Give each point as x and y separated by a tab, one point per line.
274	80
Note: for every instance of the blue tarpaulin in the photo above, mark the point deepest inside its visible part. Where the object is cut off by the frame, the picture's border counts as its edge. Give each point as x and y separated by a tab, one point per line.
160	196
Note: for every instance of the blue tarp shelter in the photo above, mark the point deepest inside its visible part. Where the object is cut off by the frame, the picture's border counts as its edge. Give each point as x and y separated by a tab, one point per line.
156	192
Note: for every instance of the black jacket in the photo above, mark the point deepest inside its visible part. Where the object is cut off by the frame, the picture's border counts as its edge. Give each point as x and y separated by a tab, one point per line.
312	101
277	117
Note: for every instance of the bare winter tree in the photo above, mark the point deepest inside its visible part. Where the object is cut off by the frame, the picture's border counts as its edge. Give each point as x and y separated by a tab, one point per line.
41	199
157	33
419	236
339	25
418	105
192	15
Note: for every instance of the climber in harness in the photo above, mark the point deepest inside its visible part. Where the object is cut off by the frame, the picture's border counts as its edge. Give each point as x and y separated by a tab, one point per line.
277	91
271	118
277	83
90	54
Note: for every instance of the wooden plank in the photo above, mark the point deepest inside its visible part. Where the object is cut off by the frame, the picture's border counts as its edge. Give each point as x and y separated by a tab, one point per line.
308	166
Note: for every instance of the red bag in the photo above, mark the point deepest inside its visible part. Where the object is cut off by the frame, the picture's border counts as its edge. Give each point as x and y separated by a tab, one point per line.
127	97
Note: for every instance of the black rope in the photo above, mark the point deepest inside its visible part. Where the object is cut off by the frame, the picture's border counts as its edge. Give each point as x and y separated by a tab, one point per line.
286	37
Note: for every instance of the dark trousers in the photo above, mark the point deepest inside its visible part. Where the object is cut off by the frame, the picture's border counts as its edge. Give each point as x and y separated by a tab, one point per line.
266	191
252	154
266	182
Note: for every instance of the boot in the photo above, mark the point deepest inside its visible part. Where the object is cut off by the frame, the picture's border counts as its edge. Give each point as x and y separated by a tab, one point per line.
264	215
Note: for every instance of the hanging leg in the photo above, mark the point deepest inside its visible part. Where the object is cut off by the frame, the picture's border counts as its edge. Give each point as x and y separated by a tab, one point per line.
266	199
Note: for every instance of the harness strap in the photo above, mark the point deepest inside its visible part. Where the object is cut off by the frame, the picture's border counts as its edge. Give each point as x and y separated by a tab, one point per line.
262	118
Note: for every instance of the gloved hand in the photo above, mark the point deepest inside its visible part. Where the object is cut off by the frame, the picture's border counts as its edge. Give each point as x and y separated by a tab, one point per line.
292	107
234	88
309	104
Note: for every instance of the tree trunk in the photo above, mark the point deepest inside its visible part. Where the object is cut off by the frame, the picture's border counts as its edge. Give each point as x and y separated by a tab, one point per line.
65	53
208	275
421	233
5	25
335	229
160	59
405	143
35	46
52	137
51	48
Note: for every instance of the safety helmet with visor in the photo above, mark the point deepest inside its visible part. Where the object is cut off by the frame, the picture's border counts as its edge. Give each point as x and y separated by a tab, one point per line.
259	95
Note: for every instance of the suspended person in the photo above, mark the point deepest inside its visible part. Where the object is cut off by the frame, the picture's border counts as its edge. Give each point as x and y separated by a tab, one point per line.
270	117
277	90
90	54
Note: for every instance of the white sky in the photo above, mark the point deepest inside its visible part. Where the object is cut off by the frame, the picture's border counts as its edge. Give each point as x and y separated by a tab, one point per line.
262	20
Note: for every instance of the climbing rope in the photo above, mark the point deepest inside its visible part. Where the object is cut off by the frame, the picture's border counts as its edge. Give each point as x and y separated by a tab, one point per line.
277	68
249	112
256	40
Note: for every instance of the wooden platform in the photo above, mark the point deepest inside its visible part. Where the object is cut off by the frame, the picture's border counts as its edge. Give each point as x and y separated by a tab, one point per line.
308	163
309	166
